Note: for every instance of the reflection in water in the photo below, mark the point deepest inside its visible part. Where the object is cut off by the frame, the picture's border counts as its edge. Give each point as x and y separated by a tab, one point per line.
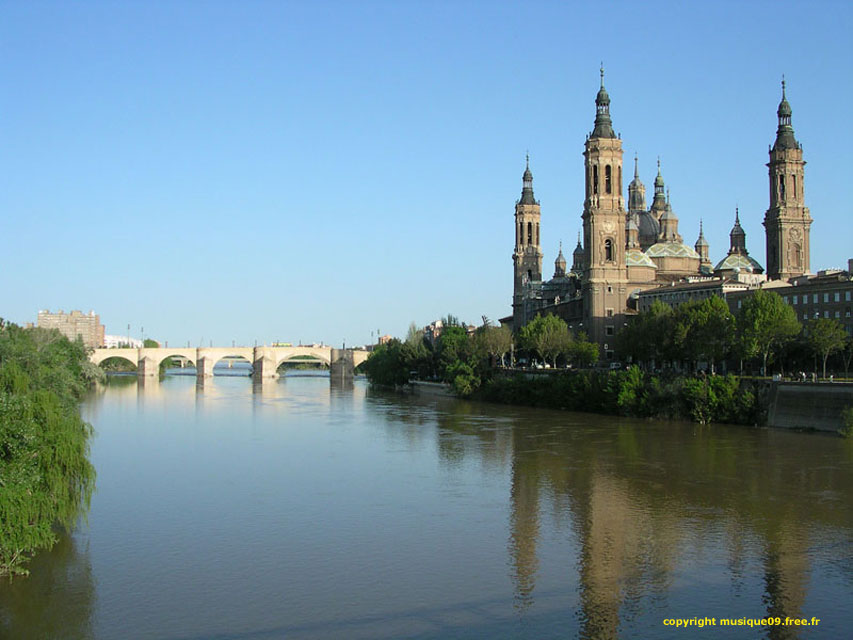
55	601
342	510
650	502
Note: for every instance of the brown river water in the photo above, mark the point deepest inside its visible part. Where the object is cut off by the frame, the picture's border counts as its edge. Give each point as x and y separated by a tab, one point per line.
298	509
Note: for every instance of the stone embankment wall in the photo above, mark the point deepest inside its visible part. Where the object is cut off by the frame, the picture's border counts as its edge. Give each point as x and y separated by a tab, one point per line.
432	389
809	405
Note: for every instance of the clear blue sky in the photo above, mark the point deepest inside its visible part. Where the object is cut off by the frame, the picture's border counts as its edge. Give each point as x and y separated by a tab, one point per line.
317	171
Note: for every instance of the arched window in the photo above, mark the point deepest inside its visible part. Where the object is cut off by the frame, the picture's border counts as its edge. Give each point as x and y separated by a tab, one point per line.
529	233
620	179
595	179
794	184
608	250
608	180
781	186
537	234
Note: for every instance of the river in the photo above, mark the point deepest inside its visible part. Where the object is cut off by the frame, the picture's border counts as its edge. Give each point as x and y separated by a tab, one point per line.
297	509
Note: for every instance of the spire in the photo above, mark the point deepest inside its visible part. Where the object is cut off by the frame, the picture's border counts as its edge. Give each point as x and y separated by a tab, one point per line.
560	263
659	202
701	242
785	132
527	184
669	224
636	191
578	257
659	180
603	126
737	236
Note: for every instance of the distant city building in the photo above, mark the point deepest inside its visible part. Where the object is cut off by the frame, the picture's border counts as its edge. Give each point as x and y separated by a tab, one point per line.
385	339
677	293
76	324
434	329
829	294
114	342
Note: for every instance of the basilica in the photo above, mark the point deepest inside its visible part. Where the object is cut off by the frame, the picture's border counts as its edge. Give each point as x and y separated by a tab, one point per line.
626	251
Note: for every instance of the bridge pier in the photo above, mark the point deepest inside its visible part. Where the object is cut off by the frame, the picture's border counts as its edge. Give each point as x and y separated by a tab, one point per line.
263	364
147	367
342	365
204	368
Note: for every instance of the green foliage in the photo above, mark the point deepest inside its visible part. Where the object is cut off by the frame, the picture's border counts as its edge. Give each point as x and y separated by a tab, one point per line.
649	336
704	330
452	346
826	336
582	352
764	324
46	478
632	393
630	397
463	378
387	366
546	335
846	429
495	341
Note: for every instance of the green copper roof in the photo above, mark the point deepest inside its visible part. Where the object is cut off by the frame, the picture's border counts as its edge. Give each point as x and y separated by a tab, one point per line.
603	126
671	250
785	132
636	258
739	262
527	188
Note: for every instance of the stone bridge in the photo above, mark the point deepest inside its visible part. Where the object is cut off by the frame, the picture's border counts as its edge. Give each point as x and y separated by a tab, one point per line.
265	360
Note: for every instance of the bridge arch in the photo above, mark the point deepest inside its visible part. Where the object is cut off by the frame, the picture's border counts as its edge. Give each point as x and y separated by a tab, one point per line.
158	355
100	355
301	357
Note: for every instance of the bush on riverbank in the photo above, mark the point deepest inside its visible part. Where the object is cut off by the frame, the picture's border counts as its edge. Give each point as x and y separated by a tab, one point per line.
46	479
633	393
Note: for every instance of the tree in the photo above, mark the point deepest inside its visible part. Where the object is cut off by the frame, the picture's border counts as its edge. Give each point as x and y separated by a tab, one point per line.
847	355
452	346
765	322
704	330
583	352
825	337
546	335
496	341
46	479
649	336
387	366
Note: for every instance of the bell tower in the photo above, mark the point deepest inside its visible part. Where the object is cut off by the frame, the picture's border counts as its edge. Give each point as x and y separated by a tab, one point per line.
787	221
605	274
527	257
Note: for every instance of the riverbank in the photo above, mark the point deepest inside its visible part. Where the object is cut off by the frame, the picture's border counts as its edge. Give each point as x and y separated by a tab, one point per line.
633	393
707	399
45	472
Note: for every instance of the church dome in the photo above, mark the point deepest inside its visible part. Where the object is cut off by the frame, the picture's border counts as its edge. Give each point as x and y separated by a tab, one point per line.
671	250
649	226
739	262
636	258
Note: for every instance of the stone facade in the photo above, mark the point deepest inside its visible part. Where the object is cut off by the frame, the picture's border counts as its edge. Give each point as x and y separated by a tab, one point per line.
829	294
76	324
787	222
626	253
